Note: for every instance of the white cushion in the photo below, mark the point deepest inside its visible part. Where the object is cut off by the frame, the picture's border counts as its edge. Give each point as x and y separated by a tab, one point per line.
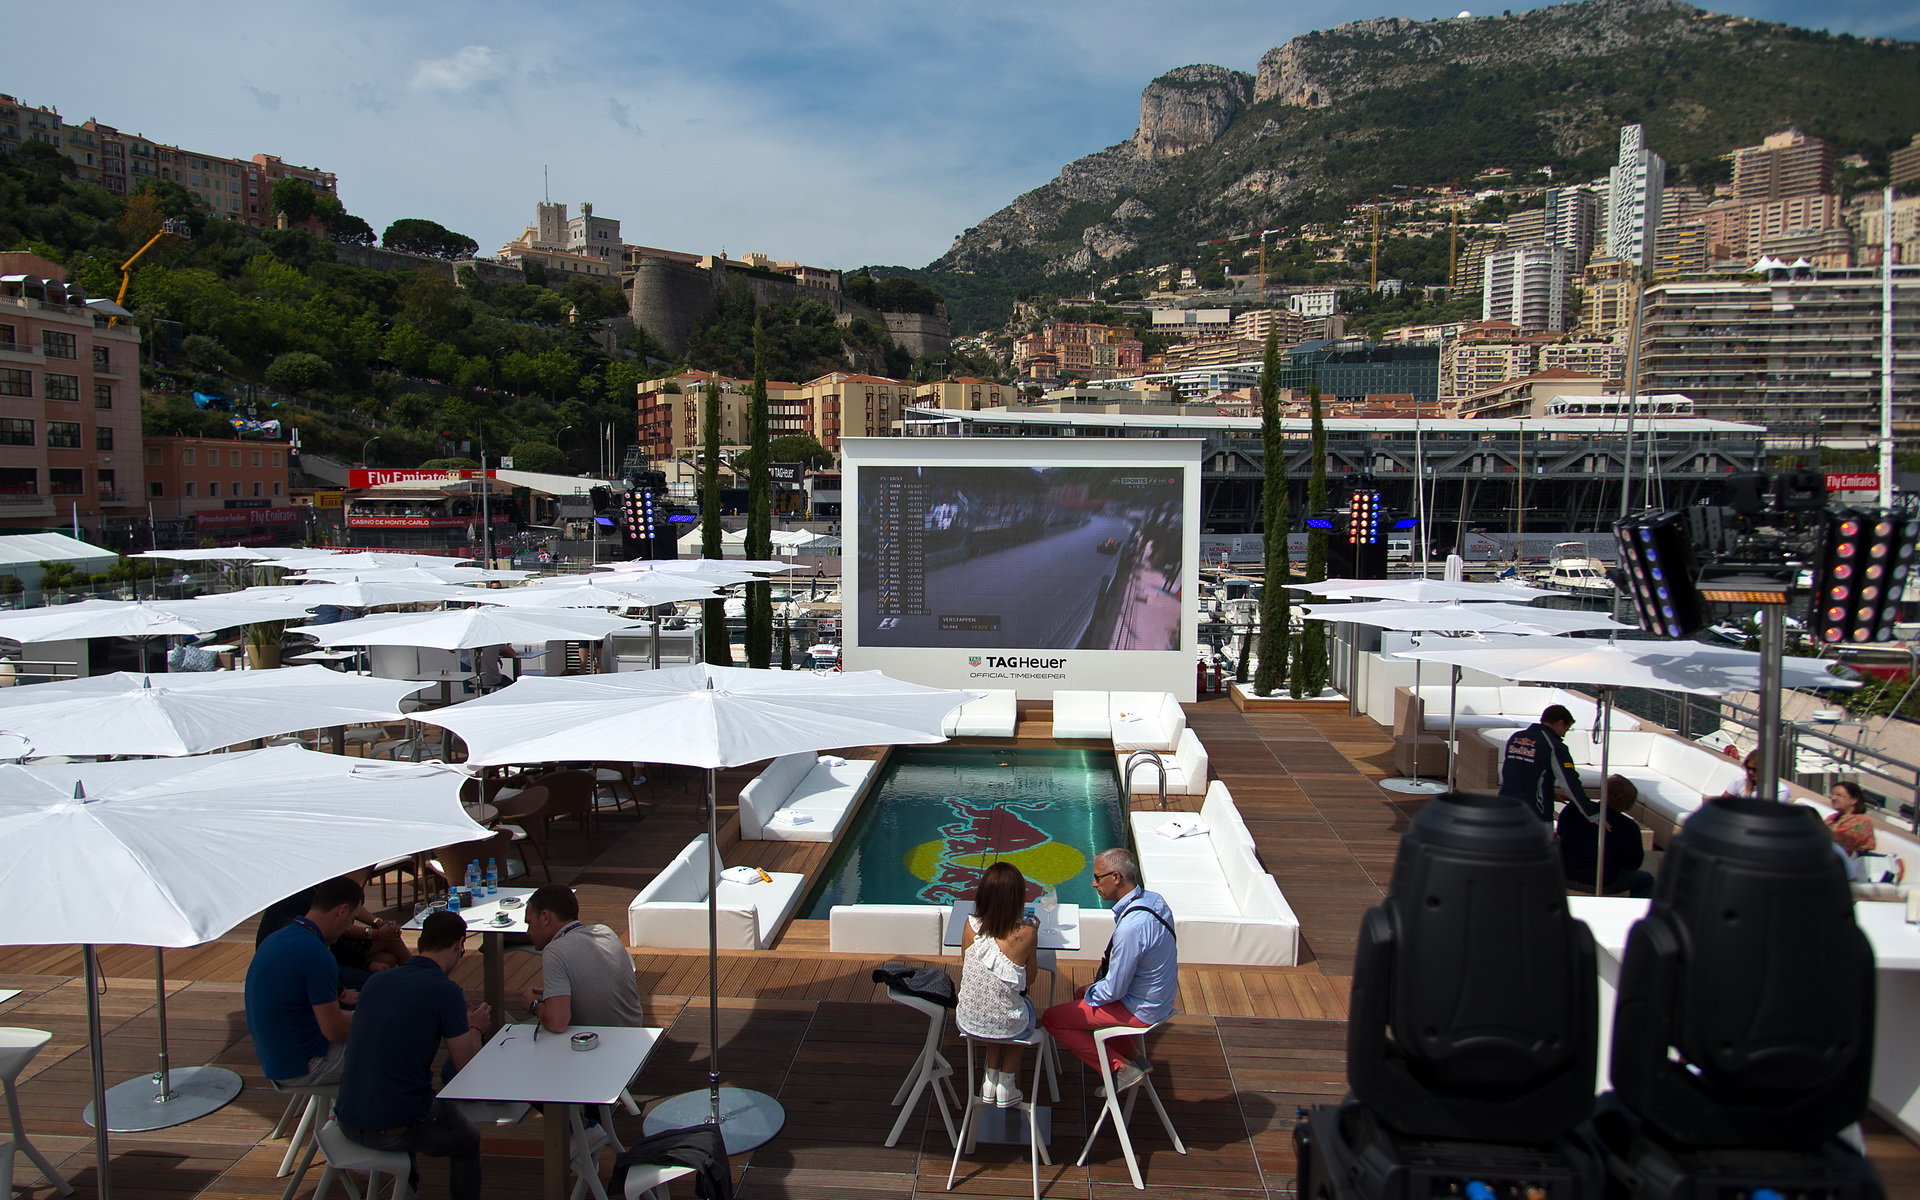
1156	724
1081	715
1222	815
827	794
1186	770
994	715
885	929
671	911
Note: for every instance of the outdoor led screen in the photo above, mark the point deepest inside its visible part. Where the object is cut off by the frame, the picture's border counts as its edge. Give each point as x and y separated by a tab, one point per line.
1005	562
1020	558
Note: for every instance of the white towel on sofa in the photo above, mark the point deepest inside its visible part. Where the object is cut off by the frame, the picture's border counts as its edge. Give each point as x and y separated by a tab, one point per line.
1179	827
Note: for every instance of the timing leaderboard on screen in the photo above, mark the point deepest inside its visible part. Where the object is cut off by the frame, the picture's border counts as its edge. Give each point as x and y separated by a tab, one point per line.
899	532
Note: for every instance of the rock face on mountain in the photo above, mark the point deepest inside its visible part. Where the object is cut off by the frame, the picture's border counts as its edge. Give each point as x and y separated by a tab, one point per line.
1187	108
1340	115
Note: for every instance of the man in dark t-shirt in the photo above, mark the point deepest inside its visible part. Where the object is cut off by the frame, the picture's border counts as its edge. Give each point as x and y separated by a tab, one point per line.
1576	831
1536	759
387	1094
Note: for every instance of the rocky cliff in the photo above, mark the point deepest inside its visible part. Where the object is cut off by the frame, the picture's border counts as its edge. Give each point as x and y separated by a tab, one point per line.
1341	114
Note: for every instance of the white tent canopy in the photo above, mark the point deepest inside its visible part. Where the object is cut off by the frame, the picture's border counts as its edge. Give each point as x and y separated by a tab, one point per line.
22	553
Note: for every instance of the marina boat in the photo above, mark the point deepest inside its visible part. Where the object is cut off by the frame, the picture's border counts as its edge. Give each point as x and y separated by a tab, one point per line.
1575	571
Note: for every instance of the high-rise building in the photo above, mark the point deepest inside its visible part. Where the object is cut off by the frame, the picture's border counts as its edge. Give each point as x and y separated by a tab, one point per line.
1789	352
1870	222
1784	164
1904	170
1573	221
1635	187
1528	287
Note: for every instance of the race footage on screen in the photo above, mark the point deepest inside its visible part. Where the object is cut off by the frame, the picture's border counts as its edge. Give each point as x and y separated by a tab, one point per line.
982	557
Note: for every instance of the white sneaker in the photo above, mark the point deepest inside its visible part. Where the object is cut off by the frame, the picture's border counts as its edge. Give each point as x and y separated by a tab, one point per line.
1127	1076
1006	1091
989	1087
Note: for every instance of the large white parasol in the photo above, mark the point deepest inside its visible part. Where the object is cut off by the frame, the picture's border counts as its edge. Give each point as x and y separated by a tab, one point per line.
467	628
581	591
189	712
175	852
368	594
700	716
1421	591
139	618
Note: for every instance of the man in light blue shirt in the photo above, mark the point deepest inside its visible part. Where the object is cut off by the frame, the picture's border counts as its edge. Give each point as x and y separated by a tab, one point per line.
1139	974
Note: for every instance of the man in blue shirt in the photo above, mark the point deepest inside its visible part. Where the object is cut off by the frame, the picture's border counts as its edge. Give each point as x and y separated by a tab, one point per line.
1139	974
1536	759
293	995
387	1093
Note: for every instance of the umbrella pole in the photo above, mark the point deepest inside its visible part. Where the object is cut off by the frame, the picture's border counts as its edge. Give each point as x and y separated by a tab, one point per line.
163	1078
167	1097
713	941
96	1041
1600	818
1453	727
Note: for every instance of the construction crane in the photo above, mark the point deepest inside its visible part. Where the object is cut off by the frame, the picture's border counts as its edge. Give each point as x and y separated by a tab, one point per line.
171	227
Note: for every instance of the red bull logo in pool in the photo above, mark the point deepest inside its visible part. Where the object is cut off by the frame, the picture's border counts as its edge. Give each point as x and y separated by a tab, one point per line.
984	834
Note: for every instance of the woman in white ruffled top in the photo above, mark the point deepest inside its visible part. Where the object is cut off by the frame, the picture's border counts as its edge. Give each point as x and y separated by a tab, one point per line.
997	952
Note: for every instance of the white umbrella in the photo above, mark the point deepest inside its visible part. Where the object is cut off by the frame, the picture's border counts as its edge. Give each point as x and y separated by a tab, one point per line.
368	594
191	712
700	716
1460	617
139	618
725	566
251	554
361	560
175	852
316	573
1661	665
597	592
467	628
1421	591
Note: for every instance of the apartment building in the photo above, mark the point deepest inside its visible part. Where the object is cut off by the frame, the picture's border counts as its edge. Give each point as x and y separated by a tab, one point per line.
1802	352
1066	348
1904	169
1529	287
1869	219
670	413
69	403
1743	230
1635	188
1528	395
1609	285
965	393
1788	163
236	189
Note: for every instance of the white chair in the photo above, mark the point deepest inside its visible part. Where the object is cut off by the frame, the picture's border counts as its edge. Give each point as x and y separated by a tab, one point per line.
344	1154
584	1144
315	1105
17	1048
648	1181
931	1071
1119	1105
1029	1104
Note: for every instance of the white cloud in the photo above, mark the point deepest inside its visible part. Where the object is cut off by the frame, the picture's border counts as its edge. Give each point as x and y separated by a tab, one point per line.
470	68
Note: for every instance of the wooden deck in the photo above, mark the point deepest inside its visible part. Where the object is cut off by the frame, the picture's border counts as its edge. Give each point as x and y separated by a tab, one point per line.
808	1026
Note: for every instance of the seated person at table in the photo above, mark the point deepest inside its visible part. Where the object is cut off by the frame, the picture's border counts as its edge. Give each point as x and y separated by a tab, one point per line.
293	995
1749	785
368	944
406	1015
586	974
1139	974
998	949
1625	853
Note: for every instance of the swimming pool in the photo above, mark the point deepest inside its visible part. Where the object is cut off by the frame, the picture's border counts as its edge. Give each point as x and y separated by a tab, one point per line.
938	816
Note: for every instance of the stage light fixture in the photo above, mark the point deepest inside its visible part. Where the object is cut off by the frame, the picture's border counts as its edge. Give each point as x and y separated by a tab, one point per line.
1861	574
1363	518
1660	570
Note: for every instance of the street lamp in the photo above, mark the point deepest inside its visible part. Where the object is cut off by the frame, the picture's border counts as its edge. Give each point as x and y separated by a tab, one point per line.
364	447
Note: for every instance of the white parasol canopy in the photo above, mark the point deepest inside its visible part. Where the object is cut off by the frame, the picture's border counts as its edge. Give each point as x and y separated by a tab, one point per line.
751	566
1421	591
139	618
317	573
466	628
1660	665
1459	617
249	554
360	560
368	594
579	591
189	712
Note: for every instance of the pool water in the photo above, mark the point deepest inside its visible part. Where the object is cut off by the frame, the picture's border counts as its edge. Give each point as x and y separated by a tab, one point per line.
939	816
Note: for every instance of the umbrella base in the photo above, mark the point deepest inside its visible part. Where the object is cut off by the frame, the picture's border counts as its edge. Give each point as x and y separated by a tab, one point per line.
1413	787
135	1106
748	1119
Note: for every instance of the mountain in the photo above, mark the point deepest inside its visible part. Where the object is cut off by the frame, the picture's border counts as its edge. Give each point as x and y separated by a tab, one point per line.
1348	113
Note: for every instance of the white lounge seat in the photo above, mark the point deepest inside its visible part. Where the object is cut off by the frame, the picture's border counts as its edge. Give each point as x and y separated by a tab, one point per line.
1145	720
886	929
1081	715
1226	907
671	911
994	715
802	798
1186	769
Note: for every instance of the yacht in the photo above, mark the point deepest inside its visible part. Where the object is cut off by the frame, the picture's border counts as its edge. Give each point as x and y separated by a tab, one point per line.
1575	571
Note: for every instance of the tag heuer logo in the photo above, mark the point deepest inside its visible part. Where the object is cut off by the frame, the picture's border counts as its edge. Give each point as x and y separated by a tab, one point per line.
973	660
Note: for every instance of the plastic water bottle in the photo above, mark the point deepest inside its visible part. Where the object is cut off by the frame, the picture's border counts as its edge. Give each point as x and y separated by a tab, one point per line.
493	877
453	899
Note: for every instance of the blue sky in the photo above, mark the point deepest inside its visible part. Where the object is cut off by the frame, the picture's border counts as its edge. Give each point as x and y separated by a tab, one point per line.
837	132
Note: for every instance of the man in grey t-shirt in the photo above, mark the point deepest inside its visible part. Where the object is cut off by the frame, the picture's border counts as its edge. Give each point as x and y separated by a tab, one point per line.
586	974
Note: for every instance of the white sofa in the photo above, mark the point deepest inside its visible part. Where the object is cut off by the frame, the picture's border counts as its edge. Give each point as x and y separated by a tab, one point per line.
887	929
1186	769
1081	715
994	715
1511	707
671	911
805	784
1145	720
1226	908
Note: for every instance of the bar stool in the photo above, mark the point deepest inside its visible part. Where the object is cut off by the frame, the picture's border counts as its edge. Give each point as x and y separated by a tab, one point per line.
648	1181
584	1144
315	1102
342	1153
17	1048
1029	1104
1111	1105
931	1070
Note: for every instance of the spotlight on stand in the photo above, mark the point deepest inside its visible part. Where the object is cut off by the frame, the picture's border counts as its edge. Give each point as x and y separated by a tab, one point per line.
1864	557
1470	1036
1657	559
1743	1036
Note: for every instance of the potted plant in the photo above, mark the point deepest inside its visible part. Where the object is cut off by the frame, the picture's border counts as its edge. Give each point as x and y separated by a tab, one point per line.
263	644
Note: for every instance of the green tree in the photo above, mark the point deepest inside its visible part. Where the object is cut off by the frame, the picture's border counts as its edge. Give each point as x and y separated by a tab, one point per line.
1276	633
299	371
295	200
542	457
800	448
1309	666
416	235
714	644
759	540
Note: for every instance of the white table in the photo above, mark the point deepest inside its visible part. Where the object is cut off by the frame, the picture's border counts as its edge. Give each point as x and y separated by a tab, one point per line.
1895	1091
517	1065
481	919
1061	933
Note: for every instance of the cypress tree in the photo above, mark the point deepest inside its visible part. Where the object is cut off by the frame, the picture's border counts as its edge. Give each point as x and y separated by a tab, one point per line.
1275	517
714	644
759	540
1310	657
